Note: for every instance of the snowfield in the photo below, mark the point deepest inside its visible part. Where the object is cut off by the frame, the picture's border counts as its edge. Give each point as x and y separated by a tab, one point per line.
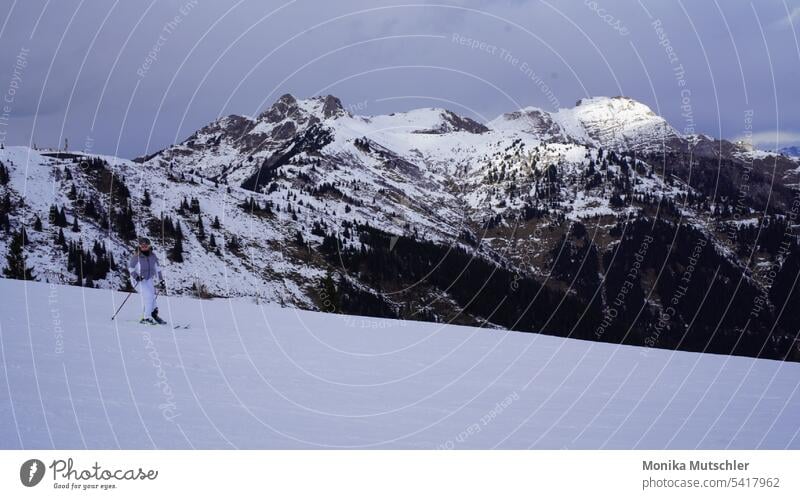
259	376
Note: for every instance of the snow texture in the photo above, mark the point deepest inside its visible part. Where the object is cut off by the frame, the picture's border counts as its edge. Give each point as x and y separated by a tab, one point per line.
251	376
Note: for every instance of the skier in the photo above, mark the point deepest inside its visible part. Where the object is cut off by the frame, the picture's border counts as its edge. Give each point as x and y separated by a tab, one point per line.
144	269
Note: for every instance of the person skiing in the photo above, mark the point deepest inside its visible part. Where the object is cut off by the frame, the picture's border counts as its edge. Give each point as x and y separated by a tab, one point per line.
144	270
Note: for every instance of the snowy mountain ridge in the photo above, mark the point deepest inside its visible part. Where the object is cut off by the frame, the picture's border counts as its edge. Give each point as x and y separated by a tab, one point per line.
617	122
527	222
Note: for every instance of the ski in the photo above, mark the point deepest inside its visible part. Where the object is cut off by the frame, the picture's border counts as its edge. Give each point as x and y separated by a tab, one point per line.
146	323
183	325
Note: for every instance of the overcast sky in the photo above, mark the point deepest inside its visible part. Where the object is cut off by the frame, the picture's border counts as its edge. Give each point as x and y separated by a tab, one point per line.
84	70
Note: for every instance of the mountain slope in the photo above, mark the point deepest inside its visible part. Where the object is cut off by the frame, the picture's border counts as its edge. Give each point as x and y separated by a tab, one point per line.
578	223
249	376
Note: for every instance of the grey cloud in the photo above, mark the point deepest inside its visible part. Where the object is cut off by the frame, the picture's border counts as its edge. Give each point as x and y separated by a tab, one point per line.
571	48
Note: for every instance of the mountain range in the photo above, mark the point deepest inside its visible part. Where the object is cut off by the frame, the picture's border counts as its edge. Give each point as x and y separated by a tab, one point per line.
600	221
793	151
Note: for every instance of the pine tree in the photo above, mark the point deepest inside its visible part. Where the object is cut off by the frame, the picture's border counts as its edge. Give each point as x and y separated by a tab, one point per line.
329	296
212	242
215	224
15	258
233	244
4	176
91	209
61	240
176	253
61	220
6	205
75	227
146	201
37	224
124	224
201	232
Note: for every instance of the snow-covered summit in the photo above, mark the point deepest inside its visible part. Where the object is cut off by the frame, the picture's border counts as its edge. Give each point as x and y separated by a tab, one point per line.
621	121
289	107
610	122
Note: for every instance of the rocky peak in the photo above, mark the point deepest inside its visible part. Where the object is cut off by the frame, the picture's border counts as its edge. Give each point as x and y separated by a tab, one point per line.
462	123
331	106
529	120
285	107
434	121
310	110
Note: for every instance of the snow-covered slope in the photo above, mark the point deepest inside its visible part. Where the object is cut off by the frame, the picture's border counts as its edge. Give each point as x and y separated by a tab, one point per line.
40	180
250	376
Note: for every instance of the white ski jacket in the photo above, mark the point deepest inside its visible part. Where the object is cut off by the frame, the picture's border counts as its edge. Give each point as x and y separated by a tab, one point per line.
144	265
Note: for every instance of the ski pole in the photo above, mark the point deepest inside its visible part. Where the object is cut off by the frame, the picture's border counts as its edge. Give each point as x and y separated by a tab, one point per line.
123	301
